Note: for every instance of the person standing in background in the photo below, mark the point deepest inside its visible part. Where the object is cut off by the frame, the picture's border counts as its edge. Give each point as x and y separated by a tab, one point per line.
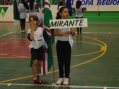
79	14
7	2
23	15
33	8
61	4
69	6
1	2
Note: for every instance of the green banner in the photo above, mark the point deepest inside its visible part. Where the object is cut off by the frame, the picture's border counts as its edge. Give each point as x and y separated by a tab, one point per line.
3	10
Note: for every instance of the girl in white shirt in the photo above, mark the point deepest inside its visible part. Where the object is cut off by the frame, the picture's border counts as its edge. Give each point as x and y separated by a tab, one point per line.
23	15
35	36
63	37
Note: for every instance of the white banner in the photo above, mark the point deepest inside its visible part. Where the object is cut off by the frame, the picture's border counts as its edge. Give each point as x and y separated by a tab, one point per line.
97	2
68	23
99	5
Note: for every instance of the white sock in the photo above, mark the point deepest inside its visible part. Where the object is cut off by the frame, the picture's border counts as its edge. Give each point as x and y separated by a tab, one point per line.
35	78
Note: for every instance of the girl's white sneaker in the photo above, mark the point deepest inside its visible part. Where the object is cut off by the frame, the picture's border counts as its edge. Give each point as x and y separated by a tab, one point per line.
66	81
60	81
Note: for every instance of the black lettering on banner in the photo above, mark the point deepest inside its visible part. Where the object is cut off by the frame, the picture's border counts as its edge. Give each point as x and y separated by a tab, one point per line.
76	22
66	23
71	22
53	24
81	21
61	22
58	22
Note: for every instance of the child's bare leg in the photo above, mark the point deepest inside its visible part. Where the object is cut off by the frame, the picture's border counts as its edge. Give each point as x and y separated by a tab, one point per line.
34	68
38	66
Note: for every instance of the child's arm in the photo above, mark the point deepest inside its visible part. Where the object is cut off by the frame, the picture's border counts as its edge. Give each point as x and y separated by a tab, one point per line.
31	31
83	9
56	33
72	31
31	35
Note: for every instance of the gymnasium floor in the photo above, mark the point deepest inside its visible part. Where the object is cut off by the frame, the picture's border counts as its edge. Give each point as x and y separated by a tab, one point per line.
94	64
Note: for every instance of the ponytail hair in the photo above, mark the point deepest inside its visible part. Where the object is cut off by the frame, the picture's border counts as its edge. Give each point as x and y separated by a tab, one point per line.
31	4
58	16
25	4
60	11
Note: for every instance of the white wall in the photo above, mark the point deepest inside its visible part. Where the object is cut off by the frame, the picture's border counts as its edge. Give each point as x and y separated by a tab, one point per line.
8	17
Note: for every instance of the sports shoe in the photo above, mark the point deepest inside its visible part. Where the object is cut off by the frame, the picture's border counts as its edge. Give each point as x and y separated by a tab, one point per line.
77	33
80	33
23	31
60	81
38	76
66	81
37	81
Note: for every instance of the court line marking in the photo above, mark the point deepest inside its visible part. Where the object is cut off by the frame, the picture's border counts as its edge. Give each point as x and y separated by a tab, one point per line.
3	43
9	84
104	51
6	34
54	85
101	32
3	54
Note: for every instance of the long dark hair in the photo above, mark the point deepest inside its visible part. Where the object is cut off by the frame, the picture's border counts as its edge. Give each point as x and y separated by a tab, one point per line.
60	11
61	3
78	4
31	4
25	4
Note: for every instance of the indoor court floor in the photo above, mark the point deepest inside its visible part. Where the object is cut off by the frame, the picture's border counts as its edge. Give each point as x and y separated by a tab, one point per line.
94	61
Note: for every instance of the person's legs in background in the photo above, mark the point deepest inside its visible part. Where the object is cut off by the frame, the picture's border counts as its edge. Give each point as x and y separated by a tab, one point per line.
22	24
